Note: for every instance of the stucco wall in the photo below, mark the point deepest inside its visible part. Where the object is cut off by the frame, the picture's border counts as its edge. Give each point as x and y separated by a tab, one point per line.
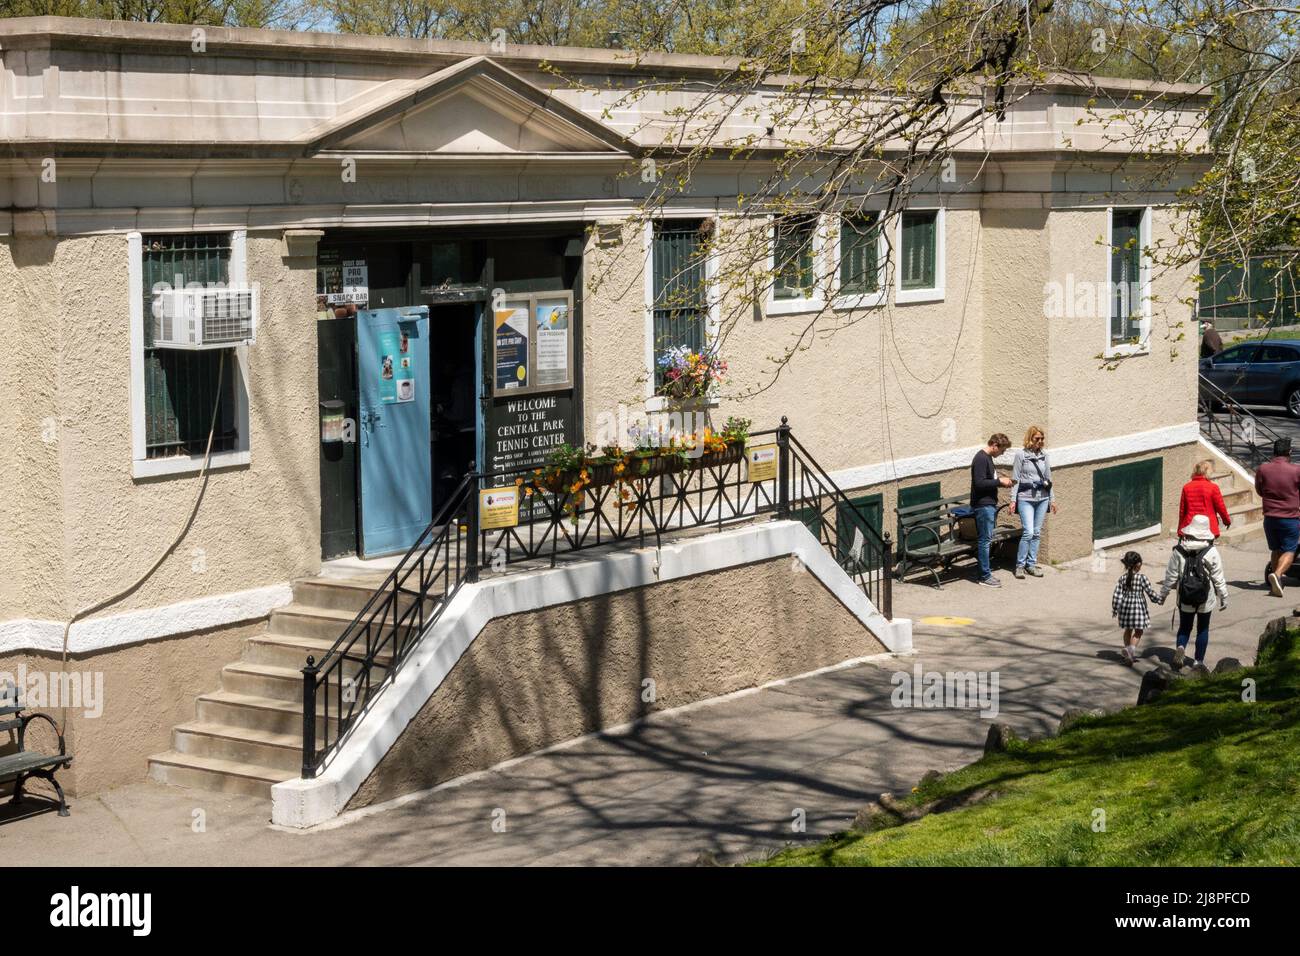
147	690
536	679
89	528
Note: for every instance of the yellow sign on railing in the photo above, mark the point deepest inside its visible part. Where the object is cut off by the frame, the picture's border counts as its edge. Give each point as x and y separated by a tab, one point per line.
761	460
498	507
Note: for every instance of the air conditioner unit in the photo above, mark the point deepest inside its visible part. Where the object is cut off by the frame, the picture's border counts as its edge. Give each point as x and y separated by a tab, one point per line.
205	318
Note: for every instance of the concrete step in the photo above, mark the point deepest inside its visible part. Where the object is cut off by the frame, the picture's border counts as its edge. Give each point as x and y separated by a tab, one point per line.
340	594
292	650
1245	531
304	620
213	773
259	713
1247	513
262	680
239	744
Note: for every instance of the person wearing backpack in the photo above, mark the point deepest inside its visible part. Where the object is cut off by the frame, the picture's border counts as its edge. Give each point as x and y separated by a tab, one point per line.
1195	572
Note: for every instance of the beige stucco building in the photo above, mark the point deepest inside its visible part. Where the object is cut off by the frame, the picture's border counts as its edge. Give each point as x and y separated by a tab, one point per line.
328	171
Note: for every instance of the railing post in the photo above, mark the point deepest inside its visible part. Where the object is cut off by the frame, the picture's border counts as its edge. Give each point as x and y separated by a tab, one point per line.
887	580
309	719
783	469
471	531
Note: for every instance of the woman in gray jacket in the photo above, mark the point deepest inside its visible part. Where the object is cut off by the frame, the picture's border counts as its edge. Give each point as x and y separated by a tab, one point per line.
1033	498
1195	548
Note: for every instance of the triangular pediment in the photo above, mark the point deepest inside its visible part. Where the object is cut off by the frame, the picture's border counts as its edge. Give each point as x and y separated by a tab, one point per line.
475	108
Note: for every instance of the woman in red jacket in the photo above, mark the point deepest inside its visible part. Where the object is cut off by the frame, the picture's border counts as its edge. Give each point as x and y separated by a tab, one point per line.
1202	497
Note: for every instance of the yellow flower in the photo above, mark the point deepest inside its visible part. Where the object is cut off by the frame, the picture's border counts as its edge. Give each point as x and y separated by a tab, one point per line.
518	482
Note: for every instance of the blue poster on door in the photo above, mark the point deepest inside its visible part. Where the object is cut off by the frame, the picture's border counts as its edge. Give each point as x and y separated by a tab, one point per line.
396	365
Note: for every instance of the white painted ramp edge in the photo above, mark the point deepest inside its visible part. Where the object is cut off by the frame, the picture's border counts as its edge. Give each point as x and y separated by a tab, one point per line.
305	803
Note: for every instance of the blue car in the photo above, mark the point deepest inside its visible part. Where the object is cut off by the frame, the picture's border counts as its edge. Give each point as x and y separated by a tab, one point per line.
1266	373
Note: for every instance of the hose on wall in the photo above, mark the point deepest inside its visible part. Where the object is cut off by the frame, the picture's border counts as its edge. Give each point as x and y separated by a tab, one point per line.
167	552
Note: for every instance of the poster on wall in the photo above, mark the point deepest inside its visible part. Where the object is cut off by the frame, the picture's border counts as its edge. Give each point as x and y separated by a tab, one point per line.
397	371
552	341
511	347
342	286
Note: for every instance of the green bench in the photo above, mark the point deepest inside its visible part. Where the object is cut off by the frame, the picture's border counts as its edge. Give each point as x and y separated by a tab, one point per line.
933	534
24	763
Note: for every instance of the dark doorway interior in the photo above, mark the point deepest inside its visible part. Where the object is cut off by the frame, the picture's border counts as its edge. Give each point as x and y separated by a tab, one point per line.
454	426
336	380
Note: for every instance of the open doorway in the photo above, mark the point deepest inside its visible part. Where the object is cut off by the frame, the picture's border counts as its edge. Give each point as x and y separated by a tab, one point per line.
453	429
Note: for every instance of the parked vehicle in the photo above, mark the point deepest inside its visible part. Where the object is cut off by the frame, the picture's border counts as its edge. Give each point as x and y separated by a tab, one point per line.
1259	373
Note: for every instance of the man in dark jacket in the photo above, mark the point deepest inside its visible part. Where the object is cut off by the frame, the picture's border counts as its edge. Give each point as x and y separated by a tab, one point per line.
984	485
1211	342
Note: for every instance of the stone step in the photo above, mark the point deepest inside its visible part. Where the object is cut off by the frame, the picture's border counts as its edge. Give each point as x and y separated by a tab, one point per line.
1243	532
1247	513
320	623
213	773
340	594
239	744
259	713
292	650
262	680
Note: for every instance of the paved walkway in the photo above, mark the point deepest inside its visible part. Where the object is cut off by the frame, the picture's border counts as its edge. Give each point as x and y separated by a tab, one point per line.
730	777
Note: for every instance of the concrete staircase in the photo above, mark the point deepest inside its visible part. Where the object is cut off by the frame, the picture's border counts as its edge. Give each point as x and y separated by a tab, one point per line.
1243	503
247	735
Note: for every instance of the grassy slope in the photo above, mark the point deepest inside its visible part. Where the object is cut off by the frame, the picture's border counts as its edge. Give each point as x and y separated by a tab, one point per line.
1197	778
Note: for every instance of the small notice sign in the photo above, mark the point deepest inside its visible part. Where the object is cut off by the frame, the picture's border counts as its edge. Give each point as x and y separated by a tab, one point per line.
498	507
761	460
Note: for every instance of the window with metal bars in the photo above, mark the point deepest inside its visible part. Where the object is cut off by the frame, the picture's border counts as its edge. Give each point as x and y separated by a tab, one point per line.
1126	276
181	387
680	290
793	246
919	249
859	265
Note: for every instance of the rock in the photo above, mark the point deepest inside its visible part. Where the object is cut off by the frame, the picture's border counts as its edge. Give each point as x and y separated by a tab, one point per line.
1274	631
1228	665
1000	735
1196	672
1076	714
872	817
1154	683
707	858
930	777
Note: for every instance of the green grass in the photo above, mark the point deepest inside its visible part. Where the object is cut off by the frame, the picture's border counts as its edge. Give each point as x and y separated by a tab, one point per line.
1197	778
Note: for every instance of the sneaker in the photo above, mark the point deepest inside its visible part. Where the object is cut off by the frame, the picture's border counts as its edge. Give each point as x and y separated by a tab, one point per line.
1019	573
1274	585
1033	570
991	582
1178	657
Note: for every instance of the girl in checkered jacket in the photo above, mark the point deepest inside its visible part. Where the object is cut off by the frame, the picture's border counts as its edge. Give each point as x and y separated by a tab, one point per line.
1129	604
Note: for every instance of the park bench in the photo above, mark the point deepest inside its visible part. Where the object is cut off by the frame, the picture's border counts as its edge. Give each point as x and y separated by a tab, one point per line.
24	763
934	534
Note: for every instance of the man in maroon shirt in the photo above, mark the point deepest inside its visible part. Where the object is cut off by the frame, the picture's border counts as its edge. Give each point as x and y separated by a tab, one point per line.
1278	484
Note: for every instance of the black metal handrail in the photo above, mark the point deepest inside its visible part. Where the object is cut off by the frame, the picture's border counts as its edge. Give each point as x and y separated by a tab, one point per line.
673	495
1231	428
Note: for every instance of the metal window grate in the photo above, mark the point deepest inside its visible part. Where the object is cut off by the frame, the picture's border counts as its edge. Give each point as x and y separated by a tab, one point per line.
1127	497
792	257
859	270
680	299
180	386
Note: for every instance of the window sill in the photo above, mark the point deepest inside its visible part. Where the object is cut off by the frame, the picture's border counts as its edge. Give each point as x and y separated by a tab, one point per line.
1101	544
1124	351
868	300
662	403
907	296
794	306
191	465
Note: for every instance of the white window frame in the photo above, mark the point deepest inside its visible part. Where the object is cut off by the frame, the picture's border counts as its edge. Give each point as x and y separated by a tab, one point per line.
143	466
817	302
1143	346
712	297
864	300
935	293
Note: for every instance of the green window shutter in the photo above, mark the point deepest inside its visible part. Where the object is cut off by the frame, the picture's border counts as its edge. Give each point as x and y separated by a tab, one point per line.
792	254
810	517
1125	275
919	494
849	521
859	268
680	292
918	251
1127	497
181	386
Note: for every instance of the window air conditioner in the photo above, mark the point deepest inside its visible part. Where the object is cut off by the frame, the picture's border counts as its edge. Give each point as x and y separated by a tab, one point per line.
205	318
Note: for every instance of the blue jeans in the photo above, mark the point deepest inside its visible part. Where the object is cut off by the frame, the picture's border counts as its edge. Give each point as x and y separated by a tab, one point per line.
1185	619
985	517
1032	515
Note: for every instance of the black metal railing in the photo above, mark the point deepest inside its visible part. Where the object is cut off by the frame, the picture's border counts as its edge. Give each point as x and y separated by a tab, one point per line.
669	495
1232	429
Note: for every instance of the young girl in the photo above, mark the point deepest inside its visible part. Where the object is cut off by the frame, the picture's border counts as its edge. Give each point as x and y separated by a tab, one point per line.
1129	604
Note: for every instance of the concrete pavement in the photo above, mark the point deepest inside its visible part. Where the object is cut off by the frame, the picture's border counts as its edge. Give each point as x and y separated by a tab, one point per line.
734	777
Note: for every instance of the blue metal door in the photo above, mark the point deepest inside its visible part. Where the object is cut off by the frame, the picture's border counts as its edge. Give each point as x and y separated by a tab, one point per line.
396	471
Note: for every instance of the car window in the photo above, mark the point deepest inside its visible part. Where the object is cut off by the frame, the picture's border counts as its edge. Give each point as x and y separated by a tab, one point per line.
1276	353
1238	353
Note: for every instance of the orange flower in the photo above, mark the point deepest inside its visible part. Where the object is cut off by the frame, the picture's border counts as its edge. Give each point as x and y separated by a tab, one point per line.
518	482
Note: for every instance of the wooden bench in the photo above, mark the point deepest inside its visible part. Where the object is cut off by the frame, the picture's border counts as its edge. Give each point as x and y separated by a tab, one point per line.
26	763
930	535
